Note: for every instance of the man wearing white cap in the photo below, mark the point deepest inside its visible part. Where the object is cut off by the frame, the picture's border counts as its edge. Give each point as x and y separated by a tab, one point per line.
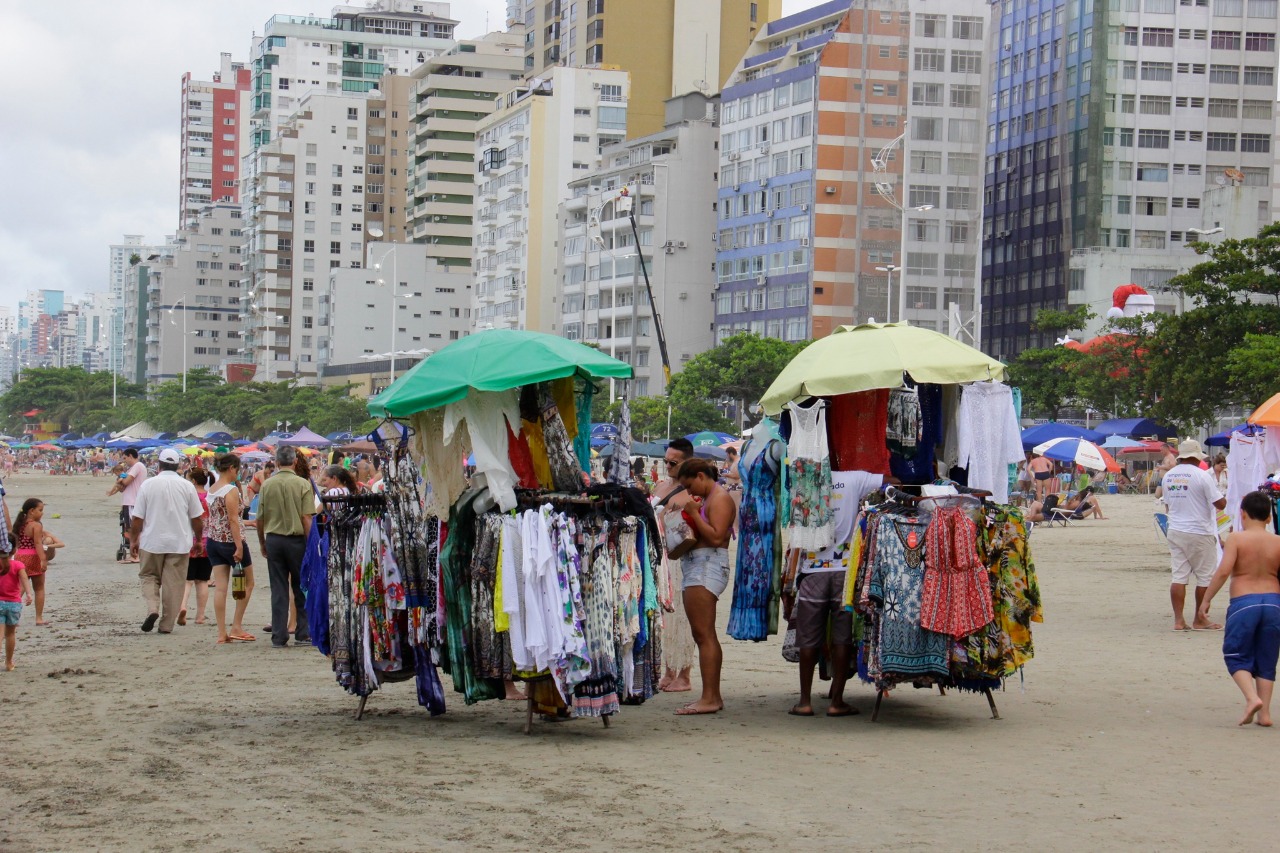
1193	499
166	518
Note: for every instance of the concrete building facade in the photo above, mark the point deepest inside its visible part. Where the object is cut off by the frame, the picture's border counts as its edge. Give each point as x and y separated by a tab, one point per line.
188	314
528	151
839	121
1108	127
450	95
669	181
670	47
211	137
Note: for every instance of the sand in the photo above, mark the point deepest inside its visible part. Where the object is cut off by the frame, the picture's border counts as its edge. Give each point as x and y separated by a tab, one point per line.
1123	735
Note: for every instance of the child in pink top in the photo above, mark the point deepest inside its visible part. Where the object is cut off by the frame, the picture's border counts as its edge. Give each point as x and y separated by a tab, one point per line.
15	590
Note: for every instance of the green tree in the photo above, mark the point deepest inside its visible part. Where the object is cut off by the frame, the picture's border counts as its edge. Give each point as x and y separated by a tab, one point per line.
1047	378
1252	366
740	369
649	418
70	396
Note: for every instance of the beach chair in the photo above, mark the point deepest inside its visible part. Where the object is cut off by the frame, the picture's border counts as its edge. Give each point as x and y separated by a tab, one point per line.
1066	516
1050	511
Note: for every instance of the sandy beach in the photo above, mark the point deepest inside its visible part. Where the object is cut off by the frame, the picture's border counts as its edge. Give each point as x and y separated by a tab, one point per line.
1122	735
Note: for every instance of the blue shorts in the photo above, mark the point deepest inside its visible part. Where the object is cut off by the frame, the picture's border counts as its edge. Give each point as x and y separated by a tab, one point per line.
1251	640
10	612
706	567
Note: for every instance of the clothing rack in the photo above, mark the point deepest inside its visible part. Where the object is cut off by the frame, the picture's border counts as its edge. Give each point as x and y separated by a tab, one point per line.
363	500
894	494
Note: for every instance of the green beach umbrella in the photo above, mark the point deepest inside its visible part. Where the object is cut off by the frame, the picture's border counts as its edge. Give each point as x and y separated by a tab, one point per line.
493	360
875	355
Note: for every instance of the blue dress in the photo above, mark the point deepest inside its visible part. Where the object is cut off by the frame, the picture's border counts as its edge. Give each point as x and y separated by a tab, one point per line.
753	613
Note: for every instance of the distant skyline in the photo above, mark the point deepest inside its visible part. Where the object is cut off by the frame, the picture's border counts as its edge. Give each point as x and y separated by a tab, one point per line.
90	136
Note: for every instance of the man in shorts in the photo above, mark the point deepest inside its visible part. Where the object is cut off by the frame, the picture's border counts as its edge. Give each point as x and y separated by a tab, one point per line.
820	596
1193	501
128	487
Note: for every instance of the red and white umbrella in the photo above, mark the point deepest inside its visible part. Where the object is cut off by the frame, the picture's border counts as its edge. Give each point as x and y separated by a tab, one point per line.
1084	453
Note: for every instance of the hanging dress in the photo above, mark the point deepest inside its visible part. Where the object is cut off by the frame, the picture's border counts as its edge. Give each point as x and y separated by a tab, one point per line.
957	592
757	557
812	522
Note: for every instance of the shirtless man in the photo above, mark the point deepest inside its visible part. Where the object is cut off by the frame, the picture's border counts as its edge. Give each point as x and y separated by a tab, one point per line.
1042	469
1251	643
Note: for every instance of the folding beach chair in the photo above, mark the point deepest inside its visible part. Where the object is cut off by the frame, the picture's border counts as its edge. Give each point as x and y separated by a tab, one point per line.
1162	526
1066	516
1051	512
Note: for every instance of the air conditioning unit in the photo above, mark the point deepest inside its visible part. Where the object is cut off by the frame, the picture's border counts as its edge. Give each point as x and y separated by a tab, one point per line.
764	149
760	279
804	242
737	187
682	245
764	182
829	190
732	156
684	294
804	208
769	214
595	86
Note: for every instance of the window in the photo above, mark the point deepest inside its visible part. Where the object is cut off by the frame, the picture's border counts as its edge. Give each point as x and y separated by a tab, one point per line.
1224	40
926	162
1256	109
1222	107
929	59
971	28
1219	141
964	96
931	26
1260	41
962	130
960	198
922	263
1255	143
1259	76
335	247
919	196
1157	71
1153	139
1155	105
926	129
1225	74
1157	37
927	94
1152	206
1153	172
966	62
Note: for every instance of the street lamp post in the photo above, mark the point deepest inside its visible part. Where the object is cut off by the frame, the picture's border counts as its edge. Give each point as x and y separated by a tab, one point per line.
395	283
182	300
890	269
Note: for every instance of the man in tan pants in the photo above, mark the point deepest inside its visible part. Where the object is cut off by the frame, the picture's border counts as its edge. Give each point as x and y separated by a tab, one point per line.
166	518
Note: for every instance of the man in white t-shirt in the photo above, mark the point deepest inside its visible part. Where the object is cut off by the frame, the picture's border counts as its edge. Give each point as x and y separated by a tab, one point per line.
1193	500
820	596
167	518
128	486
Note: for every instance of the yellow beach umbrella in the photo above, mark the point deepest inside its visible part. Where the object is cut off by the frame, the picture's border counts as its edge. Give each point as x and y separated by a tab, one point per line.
876	355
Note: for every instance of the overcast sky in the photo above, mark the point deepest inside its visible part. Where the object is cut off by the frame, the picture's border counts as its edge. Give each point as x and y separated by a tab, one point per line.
89	139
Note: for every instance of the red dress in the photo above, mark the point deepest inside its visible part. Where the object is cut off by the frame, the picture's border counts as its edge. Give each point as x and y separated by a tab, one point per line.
856	427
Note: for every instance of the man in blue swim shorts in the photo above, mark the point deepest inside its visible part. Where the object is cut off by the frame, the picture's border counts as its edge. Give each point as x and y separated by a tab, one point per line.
1251	644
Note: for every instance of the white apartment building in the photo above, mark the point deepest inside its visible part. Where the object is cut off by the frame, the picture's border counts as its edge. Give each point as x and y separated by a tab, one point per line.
401	288
540	139
190	309
304	216
943	153
119	272
669	179
451	93
1187	150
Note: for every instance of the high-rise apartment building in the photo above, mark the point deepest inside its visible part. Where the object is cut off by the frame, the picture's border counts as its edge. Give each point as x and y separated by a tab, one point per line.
120	271
191	309
1110	130
817	124
540	139
305	214
668	179
670	47
450	95
318	109
209	168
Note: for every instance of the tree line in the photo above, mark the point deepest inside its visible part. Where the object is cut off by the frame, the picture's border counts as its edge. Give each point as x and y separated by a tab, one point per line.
80	401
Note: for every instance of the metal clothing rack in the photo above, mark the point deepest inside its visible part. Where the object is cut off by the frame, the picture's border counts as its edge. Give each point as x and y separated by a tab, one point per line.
894	494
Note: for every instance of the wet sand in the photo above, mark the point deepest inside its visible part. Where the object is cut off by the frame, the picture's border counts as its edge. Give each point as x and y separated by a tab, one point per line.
1122	735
